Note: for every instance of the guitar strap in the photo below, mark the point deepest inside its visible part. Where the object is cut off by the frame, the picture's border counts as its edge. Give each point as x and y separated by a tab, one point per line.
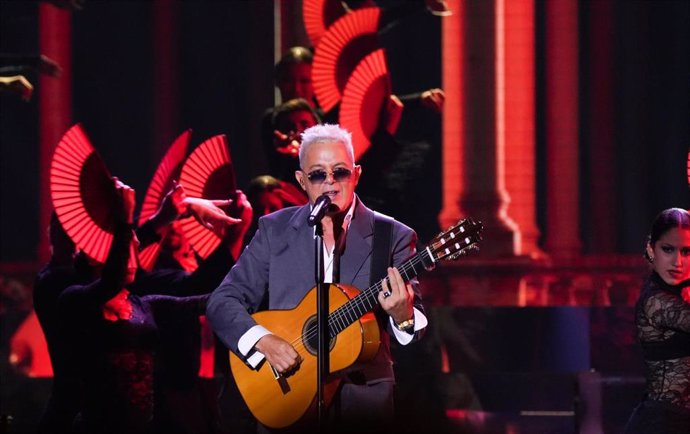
381	250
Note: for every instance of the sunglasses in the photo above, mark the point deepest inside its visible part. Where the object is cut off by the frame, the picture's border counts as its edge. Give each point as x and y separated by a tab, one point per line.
340	174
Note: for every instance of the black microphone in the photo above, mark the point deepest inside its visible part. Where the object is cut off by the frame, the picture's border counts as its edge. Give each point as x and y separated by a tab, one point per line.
319	209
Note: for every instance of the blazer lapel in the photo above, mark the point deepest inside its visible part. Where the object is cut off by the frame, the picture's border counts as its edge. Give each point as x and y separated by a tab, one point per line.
358	245
302	237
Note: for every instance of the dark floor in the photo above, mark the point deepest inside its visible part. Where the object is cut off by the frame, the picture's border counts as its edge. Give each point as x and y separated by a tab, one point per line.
502	403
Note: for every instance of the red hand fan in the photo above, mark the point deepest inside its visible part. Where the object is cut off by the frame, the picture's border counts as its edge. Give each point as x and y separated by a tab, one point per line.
168	170
208	173
342	47
318	15
83	195
363	98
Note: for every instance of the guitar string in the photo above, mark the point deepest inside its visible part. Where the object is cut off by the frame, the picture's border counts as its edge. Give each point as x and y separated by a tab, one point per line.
340	314
341	311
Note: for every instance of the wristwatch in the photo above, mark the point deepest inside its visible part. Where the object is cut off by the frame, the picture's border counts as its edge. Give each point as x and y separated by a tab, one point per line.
406	326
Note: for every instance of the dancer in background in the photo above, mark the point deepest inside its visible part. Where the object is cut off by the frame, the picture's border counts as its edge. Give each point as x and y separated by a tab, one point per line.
186	384
59	274
114	329
288	121
662	318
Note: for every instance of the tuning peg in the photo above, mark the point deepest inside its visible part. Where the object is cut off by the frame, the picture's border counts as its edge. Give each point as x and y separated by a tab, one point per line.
464	252
457	255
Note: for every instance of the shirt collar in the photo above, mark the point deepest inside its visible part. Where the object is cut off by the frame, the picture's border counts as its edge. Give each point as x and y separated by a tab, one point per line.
348	217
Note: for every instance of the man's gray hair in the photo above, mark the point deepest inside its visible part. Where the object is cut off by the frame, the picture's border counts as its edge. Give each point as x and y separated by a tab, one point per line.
325	133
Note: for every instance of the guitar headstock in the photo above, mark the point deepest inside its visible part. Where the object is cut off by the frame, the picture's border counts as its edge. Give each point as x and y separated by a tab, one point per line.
458	240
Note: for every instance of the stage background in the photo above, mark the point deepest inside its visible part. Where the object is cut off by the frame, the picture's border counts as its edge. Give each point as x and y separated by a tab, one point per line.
487	351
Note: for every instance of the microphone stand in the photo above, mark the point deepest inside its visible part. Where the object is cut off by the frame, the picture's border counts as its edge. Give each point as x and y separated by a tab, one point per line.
322	355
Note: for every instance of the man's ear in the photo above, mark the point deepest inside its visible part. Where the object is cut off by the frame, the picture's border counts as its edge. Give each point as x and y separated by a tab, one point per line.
299	176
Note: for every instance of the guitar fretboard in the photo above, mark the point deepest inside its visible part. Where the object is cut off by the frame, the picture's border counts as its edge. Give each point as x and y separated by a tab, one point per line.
367	300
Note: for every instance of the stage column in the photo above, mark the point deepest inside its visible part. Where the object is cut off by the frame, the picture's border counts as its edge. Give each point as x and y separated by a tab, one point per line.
54	105
602	123
515	102
289	29
453	127
484	195
166	82
562	138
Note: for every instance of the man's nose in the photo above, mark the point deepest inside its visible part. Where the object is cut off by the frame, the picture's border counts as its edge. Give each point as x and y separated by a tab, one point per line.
330	178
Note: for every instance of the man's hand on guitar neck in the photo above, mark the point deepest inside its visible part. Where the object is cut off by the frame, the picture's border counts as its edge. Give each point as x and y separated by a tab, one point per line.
279	353
396	297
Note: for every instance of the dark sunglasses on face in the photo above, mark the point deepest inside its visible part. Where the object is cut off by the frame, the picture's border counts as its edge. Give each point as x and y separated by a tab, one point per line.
339	174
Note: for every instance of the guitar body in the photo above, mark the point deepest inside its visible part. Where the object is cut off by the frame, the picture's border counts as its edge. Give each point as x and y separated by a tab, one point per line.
280	402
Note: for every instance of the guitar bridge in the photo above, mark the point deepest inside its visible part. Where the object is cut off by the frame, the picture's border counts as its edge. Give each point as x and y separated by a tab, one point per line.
276	374
282	381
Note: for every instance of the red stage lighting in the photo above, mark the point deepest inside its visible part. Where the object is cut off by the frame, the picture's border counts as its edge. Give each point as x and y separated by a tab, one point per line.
168	170
318	15
83	195
363	98
208	173
340	50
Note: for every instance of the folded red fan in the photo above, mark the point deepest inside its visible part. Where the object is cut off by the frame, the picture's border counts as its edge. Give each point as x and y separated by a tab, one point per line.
83	195
208	173
345	43
168	171
318	15
363	98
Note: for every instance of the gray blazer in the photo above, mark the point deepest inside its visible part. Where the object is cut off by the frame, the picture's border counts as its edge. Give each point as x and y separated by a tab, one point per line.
279	263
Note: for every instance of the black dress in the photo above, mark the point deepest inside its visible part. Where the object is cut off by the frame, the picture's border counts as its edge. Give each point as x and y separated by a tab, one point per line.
67	324
116	357
663	329
185	403
52	280
65	397
66	394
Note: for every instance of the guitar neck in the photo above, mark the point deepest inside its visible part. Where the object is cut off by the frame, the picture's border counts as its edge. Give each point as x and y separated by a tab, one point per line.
367	300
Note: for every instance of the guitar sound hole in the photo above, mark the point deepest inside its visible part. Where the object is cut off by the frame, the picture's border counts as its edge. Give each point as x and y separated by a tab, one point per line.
310	337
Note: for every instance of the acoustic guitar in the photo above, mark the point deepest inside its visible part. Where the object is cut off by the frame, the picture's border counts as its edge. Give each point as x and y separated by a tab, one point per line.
278	401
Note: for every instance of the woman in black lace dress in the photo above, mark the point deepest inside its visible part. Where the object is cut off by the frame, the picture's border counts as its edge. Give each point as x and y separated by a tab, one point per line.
662	317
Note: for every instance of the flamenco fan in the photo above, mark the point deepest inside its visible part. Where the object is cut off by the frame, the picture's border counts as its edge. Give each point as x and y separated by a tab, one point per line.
208	173
342	47
318	15
363	98
83	195
162	181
